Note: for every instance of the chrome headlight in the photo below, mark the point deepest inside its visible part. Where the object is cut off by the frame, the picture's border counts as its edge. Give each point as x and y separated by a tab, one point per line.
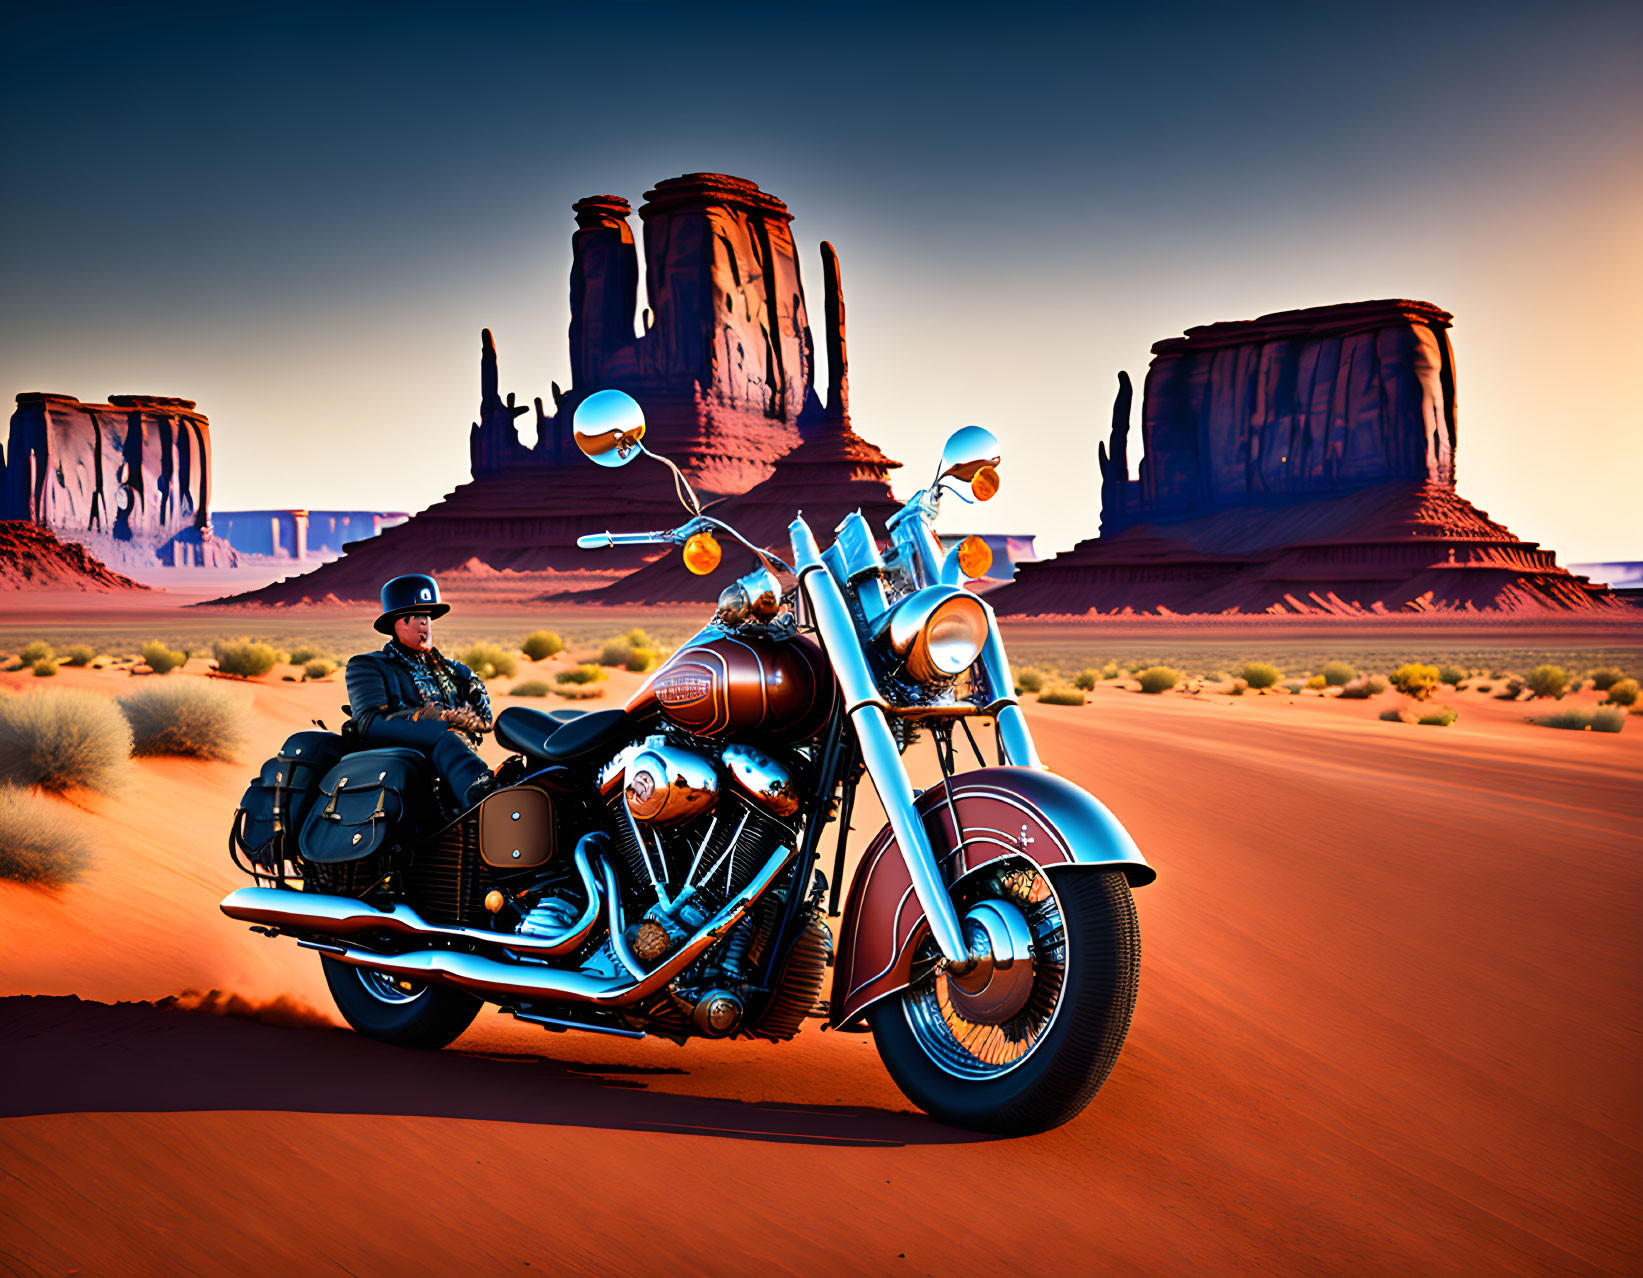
939	631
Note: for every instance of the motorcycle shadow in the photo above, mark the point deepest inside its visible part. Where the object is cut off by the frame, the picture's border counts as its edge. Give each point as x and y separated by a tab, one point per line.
63	1055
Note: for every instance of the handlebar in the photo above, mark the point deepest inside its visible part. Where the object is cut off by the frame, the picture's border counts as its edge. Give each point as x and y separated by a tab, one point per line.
604	540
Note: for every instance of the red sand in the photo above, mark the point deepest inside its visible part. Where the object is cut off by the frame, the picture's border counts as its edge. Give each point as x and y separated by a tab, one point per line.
1387	1022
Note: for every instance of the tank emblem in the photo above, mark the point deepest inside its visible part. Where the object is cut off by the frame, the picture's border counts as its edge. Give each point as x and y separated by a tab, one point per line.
683	688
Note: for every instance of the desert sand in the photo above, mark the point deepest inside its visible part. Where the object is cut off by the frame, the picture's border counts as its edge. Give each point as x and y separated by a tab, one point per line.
1387	1023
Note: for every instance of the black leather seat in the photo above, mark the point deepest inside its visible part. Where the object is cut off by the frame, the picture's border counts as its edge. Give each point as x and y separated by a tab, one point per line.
552	739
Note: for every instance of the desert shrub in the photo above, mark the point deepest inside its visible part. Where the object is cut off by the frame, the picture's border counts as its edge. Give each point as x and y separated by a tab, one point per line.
1293	685
573	693
57	740
1239	687
1257	674
1547	681
1156	679
39	844
585	673
1584	719
161	659
39	650
1454	676
489	660
318	668
80	655
45	668
1438	717
530	688
1085	680
1395	714
1110	670
1606	678
1030	680
1622	692
245	658
1363	689
641	659
1316	682
542	643
1061	695
301	656
185	716
1337	674
1415	680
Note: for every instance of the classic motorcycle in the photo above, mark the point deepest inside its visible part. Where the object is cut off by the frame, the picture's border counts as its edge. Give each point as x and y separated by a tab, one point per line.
654	869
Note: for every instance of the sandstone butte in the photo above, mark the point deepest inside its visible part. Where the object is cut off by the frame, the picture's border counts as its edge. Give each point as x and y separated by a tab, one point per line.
31	558
1301	463
725	373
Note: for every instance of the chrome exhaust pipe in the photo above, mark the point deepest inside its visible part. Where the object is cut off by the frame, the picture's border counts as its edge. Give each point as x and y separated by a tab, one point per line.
321	915
496	978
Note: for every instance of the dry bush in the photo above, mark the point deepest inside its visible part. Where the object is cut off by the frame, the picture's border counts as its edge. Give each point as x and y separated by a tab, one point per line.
1606	678
573	693
186	716
318	668
161	659
1397	714
1030	680
1438	716
1415	680
45	668
40	844
530	688
1454	676
542	643
1547	681
301	655
80	655
1337	674
1511	691
634	651
587	672
245	658
1239	687
57	740
1061	695
1584	719
1156	679
1622	692
39	650
1257	674
1085	680
490	661
1110	670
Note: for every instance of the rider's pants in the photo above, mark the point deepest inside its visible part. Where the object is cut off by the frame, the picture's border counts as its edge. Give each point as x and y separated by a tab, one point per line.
453	758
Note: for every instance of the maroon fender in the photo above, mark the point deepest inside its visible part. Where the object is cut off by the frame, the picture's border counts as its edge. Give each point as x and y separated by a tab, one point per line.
1005	812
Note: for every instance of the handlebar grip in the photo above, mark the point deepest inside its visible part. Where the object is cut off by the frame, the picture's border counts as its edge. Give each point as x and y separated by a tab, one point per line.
593	541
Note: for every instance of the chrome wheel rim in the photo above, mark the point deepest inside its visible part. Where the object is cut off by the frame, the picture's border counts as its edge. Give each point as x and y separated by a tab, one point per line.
979	1052
387	989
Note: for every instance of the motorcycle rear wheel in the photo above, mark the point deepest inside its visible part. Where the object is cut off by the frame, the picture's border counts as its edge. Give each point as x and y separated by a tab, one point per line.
380	1007
1043	1066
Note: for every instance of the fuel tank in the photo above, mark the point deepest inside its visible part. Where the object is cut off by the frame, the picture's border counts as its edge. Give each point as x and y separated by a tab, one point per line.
750	687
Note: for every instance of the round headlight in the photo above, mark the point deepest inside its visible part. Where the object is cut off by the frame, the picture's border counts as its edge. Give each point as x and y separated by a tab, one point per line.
939	631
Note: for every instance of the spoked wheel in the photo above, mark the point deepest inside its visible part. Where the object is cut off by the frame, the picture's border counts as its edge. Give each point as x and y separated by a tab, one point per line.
1021	1044
405	1013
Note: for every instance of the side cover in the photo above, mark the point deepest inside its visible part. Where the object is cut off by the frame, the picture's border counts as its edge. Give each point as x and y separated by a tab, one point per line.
1004	812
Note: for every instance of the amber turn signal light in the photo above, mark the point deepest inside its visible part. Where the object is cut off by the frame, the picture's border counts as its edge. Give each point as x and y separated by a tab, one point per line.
702	553
975	556
984	486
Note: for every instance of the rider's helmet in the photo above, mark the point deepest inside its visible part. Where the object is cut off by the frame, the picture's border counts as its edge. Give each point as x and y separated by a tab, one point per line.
403	596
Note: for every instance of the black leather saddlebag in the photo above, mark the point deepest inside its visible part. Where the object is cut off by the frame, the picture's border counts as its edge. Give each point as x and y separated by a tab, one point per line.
276	804
365	803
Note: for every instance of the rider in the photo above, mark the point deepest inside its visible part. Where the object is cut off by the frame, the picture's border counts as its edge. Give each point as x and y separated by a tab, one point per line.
408	694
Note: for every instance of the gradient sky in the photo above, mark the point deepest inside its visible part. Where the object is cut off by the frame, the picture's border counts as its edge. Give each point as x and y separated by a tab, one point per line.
301	216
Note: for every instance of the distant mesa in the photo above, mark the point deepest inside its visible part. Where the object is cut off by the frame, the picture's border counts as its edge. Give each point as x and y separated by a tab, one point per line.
1302	462
301	534
722	359
130	479
31	558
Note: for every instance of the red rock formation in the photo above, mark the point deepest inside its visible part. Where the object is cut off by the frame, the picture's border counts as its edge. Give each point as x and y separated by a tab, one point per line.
32	559
724	372
1301	462
130	479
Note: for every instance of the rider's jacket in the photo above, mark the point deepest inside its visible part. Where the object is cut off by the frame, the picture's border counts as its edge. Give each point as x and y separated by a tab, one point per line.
396	682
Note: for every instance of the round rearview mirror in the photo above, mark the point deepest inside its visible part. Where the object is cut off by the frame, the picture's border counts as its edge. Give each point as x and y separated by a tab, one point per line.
609	427
968	449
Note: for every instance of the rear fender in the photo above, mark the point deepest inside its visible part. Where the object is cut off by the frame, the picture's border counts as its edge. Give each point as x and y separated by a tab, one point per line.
1005	812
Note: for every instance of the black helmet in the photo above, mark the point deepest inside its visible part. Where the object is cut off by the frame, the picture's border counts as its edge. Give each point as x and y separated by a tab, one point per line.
404	595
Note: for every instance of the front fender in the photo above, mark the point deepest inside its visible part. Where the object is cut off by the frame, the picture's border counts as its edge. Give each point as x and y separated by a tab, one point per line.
1005	812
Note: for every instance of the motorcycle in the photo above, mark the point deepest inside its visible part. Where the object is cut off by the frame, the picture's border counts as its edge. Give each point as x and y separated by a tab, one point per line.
654	869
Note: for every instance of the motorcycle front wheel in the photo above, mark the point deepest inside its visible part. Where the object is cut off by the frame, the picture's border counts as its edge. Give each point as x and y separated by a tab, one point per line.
1028	1054
405	1013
